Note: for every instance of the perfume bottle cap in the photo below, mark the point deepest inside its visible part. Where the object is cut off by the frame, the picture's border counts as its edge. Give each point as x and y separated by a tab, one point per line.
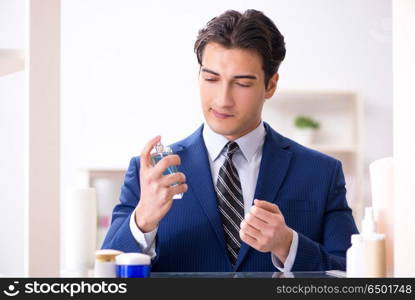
159	148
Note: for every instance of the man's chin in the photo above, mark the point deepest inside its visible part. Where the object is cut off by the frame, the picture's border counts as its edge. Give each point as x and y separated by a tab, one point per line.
223	129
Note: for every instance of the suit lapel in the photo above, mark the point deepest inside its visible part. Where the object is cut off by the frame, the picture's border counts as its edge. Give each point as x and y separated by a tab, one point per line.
195	165
274	166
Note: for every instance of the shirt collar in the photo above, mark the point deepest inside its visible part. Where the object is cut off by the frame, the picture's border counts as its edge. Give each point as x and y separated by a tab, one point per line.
249	144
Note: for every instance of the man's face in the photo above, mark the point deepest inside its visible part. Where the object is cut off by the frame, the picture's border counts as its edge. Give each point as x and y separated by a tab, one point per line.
232	89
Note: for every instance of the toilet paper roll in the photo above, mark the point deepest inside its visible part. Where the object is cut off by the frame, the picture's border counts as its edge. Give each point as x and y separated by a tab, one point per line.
382	178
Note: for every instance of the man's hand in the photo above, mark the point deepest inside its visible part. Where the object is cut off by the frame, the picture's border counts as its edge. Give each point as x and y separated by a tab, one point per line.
265	230
156	196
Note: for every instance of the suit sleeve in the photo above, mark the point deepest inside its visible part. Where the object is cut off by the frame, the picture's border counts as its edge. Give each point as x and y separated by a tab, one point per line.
338	226
119	235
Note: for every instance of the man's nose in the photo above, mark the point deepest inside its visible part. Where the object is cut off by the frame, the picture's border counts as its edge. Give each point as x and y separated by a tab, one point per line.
224	97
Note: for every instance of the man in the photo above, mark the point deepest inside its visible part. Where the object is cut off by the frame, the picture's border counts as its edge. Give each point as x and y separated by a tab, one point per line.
253	199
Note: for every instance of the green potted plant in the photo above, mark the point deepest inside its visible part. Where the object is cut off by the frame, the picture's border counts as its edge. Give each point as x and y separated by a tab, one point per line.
306	128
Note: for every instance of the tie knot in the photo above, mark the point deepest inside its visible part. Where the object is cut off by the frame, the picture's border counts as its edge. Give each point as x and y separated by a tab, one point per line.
232	147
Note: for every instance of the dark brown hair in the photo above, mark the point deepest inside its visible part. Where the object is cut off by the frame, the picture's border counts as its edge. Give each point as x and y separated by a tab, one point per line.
251	30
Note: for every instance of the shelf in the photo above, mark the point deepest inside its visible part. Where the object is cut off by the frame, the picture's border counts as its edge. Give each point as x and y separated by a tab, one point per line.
340	114
11	61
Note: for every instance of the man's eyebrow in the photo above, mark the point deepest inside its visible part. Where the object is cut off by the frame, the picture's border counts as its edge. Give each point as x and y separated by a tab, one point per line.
236	76
210	71
244	76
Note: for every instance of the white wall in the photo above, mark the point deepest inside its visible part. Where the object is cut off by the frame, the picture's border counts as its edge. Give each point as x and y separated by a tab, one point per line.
13	144
123	60
404	137
129	71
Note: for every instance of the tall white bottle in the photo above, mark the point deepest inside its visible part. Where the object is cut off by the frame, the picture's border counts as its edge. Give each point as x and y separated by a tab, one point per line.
355	257
374	246
366	256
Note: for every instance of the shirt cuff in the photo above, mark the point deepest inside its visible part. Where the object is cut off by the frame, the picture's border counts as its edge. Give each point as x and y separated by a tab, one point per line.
289	262
147	241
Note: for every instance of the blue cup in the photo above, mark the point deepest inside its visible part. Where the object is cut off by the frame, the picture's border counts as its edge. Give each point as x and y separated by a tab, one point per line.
127	271
133	265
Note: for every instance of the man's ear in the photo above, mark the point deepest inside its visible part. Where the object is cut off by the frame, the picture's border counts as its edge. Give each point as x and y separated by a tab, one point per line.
272	86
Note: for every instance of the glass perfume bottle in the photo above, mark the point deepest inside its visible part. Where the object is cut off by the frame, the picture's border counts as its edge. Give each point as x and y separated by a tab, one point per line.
161	151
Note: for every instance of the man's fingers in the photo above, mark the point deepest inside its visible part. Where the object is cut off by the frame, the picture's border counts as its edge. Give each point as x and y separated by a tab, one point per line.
249	230
171	179
178	189
271	207
246	238
165	162
145	157
254	221
263	214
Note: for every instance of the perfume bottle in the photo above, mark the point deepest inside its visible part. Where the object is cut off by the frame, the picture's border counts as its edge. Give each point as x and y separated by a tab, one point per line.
159	152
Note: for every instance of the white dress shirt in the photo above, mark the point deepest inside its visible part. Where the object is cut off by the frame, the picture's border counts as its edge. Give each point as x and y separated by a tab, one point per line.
247	161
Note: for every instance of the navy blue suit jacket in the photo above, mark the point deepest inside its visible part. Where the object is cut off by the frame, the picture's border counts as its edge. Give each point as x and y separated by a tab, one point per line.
308	187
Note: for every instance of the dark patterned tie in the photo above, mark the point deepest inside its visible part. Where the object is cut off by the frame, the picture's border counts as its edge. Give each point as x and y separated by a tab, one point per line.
230	200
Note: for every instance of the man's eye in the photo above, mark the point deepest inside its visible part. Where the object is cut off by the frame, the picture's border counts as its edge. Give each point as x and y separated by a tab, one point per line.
242	85
210	79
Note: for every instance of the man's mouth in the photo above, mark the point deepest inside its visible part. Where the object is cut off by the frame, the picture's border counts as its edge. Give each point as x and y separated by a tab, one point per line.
220	115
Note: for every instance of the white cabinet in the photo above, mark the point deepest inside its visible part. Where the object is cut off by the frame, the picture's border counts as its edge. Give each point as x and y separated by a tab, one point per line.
107	183
340	115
